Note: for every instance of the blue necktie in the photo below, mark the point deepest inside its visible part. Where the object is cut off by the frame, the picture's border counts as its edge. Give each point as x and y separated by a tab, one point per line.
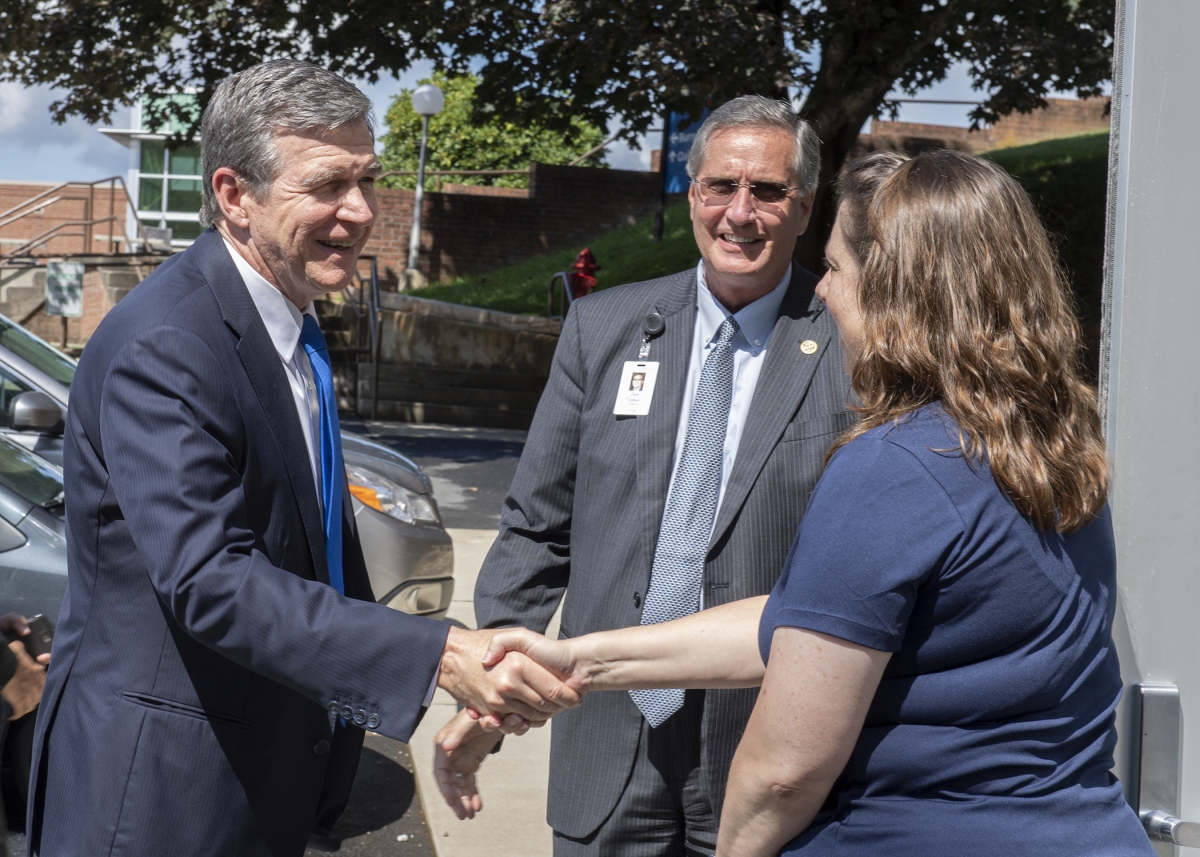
678	571
332	472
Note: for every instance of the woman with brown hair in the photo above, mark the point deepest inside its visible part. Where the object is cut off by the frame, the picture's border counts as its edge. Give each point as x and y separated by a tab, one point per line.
940	676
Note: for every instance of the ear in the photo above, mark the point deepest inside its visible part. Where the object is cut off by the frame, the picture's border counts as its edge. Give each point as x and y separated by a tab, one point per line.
692	199
230	194
806	209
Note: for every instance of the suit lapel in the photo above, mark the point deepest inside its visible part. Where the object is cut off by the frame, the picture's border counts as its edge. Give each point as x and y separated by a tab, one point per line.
267	376
656	431
781	386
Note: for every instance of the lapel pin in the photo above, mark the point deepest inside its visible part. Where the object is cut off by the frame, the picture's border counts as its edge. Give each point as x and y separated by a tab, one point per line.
808	346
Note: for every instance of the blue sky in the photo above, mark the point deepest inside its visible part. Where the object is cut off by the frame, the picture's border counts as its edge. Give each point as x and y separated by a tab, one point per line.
33	148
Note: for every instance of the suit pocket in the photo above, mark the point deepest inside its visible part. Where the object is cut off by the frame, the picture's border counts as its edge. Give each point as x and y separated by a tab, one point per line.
829	424
170	706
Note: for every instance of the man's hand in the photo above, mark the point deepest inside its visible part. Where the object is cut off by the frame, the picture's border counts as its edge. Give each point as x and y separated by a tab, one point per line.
556	656
515	685
461	746
24	690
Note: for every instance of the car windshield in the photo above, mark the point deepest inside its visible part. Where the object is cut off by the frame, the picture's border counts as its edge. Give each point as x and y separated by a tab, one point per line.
29	475
37	351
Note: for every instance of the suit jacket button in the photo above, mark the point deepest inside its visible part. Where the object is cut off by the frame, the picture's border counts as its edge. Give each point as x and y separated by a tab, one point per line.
372	721
347	713
333	706
360	717
321	748
637	600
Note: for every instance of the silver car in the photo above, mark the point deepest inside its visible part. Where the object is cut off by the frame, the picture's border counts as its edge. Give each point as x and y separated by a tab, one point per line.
410	558
33	542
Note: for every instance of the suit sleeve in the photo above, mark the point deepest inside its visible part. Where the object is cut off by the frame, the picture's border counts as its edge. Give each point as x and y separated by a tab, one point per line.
172	438
526	572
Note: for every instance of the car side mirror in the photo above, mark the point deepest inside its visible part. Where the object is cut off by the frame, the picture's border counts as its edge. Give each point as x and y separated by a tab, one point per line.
35	411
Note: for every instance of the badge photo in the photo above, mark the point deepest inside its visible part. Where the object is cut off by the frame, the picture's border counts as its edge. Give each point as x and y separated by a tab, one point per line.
636	389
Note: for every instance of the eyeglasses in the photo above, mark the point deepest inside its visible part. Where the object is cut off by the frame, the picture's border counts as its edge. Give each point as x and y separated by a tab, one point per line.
723	190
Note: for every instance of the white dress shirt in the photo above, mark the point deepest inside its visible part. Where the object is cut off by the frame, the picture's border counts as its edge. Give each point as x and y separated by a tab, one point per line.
756	321
283	322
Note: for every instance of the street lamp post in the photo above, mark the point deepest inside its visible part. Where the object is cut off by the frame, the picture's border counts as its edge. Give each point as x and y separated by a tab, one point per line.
428	101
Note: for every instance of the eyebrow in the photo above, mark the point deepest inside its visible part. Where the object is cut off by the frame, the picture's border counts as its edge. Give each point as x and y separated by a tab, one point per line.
318	179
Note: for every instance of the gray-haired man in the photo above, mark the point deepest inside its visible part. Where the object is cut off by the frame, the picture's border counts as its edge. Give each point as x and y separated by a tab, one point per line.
644	506
220	651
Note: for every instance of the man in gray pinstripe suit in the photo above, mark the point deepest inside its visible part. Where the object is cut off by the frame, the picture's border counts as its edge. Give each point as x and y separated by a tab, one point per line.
606	467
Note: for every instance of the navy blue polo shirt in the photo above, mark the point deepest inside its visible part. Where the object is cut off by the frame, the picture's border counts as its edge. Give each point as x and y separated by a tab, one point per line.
992	730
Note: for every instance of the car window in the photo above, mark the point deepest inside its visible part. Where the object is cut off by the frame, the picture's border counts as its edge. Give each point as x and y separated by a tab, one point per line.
37	351
10	387
34	478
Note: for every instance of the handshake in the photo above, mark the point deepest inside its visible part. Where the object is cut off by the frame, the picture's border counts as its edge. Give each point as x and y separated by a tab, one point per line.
509	681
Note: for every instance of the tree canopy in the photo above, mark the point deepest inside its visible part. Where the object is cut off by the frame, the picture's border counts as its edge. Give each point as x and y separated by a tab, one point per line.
462	139
595	59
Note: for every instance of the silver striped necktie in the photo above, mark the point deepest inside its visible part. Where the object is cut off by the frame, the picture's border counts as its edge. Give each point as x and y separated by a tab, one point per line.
678	572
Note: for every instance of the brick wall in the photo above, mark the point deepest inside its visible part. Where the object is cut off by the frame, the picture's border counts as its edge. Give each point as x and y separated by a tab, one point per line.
1062	117
64	205
479	230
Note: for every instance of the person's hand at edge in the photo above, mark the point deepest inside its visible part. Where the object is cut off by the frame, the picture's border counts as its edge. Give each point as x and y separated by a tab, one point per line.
24	690
15	623
517	685
459	749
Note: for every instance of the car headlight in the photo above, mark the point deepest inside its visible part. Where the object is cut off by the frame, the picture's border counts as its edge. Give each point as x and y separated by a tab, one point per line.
384	495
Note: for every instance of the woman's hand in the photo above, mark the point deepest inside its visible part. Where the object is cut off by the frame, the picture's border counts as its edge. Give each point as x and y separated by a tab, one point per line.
556	656
460	748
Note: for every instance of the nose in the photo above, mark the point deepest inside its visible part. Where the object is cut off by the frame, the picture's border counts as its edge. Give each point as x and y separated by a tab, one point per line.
823	287
358	206
741	208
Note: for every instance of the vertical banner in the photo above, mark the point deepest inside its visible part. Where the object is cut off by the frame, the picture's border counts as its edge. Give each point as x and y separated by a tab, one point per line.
680	136
64	289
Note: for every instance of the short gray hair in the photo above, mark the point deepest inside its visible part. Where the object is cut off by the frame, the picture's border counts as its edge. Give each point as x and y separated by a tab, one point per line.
755	111
249	108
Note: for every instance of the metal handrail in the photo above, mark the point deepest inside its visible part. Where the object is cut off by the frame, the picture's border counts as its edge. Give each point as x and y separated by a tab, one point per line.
36	208
54	232
566	292
30	206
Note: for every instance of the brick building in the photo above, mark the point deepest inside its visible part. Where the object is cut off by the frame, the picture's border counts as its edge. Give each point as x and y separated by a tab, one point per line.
467	229
1062	117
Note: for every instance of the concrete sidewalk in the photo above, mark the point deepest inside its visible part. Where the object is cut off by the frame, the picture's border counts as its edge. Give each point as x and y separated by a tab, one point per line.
513	782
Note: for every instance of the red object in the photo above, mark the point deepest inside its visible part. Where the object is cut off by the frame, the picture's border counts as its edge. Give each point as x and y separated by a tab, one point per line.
581	279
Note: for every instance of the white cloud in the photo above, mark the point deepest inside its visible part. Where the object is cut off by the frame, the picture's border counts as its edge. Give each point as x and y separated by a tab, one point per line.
34	148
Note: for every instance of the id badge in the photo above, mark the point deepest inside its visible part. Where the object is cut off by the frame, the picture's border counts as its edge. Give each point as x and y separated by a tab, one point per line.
636	389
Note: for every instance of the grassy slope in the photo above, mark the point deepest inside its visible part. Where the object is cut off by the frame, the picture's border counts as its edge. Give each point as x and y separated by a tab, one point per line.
1069	180
1067	177
625	255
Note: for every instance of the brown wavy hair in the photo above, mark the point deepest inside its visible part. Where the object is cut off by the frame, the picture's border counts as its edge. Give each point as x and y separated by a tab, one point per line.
964	302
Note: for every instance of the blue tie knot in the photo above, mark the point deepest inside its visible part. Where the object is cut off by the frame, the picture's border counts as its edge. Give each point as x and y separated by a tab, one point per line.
311	337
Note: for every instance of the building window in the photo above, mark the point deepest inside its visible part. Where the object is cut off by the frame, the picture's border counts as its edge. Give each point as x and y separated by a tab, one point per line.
169	185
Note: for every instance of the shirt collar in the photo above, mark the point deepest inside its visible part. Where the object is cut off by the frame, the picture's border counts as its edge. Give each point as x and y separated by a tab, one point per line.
756	320
279	315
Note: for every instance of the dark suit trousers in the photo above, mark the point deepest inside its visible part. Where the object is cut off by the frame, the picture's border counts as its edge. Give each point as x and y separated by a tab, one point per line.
665	810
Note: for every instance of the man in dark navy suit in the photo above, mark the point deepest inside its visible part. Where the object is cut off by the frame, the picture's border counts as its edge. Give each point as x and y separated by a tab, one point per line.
220	651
